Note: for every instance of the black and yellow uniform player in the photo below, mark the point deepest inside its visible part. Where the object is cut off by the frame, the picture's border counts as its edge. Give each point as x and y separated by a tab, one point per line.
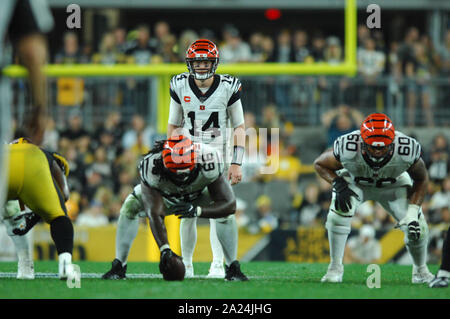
37	178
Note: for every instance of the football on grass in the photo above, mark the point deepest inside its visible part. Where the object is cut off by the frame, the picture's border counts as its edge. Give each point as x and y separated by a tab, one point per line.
175	269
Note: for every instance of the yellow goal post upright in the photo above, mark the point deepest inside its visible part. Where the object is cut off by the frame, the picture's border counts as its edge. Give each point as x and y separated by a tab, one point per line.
164	72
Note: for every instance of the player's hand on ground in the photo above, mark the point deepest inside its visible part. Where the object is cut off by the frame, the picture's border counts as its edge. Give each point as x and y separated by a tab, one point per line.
343	194
185	210
235	174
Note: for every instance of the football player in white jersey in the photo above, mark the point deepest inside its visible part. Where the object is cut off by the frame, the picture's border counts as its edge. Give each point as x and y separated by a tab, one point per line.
208	106
381	164
182	178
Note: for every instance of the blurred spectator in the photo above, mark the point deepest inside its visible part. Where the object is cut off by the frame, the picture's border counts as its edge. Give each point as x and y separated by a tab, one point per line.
102	166
167	47
75	131
438	161
406	50
206	33
289	166
70	53
94	182
186	38
120	40
161	31
112	124
441	198
93	216
140	50
267	219
307	209
234	49
382	220
418	72
370	61
270	119
77	178
300	50
107	53
283	53
444	54
340	121
268	47
318	47
333	50
364	248
51	136
252	163
371	64
242	219
363	35
138	130
256	47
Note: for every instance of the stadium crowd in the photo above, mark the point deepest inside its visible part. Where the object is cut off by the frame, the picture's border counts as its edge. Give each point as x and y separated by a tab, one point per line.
403	67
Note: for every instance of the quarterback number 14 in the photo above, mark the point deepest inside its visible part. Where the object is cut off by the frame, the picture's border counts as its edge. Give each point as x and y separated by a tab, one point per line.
211	124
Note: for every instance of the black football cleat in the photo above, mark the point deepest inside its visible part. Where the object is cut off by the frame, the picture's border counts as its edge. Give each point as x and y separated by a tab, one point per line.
234	273
439	282
117	271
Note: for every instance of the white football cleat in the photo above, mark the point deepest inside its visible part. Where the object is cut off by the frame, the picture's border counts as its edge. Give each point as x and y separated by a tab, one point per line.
216	270
334	274
65	267
421	275
25	270
189	271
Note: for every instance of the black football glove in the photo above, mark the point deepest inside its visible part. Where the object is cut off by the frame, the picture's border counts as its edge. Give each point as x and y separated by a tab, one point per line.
166	254
184	210
31	219
343	193
165	267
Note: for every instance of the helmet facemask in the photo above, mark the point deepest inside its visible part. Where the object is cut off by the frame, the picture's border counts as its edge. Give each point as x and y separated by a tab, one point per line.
202	76
377	154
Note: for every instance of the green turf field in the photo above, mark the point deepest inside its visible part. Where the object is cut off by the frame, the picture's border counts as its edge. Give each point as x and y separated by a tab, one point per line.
268	280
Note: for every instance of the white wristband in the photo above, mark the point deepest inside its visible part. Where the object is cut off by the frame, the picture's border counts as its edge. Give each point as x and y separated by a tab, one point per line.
165	246
413	211
199	211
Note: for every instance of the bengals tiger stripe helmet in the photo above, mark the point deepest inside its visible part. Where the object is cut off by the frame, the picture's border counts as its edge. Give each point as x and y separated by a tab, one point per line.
202	49
179	157
378	134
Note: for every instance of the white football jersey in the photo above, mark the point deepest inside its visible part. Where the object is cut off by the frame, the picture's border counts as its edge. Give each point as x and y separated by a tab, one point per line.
206	114
348	150
210	169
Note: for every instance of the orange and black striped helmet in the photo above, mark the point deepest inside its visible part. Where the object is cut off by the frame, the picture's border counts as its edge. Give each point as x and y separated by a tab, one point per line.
377	130
179	155
202	49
